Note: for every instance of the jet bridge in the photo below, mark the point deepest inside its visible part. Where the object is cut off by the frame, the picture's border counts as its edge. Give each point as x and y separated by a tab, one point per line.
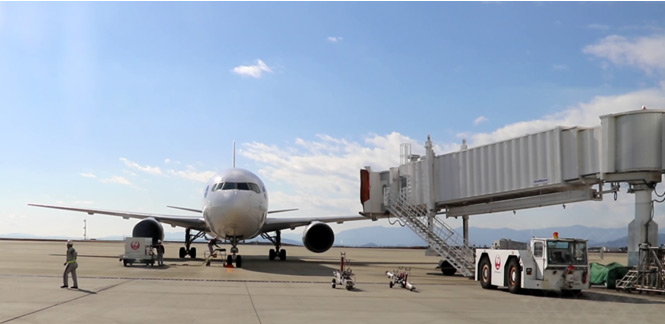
556	166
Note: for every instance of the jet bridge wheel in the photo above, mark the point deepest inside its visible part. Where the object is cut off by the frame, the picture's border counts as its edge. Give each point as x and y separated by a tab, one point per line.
514	276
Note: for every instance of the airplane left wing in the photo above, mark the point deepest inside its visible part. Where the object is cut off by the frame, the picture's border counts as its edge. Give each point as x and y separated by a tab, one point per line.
195	223
275	224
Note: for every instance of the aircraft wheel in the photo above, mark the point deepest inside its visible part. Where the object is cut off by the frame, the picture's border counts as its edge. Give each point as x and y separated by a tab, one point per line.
182	252
229	260
282	255
192	253
238	261
272	254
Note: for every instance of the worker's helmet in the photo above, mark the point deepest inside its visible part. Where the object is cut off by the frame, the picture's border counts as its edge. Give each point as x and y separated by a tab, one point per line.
70	243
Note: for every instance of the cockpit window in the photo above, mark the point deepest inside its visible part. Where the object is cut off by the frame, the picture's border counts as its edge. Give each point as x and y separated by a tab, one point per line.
254	187
237	186
229	186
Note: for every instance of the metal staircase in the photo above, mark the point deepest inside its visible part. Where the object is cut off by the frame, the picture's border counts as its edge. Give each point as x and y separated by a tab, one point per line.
441	237
627	283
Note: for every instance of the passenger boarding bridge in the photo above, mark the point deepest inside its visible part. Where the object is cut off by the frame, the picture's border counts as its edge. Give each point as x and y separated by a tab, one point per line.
553	167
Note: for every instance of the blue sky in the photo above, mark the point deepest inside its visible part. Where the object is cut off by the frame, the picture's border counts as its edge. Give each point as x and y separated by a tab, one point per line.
130	106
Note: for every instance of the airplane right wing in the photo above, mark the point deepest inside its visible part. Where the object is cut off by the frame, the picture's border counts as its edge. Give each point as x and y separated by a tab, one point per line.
195	223
274	224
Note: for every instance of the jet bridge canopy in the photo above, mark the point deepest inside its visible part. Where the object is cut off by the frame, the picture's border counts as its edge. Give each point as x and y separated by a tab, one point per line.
556	166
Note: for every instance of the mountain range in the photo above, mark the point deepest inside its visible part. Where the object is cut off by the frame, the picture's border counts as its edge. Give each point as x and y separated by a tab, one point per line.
396	236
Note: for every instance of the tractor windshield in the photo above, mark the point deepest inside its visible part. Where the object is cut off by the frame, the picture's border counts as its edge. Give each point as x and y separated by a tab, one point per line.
566	252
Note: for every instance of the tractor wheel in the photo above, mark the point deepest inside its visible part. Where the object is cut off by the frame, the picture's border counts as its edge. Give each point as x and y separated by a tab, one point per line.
514	276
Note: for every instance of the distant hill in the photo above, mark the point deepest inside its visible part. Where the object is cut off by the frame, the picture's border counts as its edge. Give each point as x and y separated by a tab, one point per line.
623	241
396	236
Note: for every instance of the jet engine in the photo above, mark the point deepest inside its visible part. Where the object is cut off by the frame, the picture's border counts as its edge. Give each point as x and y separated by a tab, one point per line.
149	227
318	237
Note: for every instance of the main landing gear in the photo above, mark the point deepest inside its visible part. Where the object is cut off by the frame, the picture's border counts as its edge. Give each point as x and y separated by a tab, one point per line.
277	240
186	250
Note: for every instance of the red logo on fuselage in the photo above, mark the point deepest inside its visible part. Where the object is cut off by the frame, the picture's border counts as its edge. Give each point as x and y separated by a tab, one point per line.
497	262
135	245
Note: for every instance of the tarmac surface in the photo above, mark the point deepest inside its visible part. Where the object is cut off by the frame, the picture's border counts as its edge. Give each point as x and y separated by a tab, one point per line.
297	290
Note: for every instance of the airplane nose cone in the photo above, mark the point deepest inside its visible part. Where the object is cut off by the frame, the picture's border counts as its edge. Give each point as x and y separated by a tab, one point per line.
233	206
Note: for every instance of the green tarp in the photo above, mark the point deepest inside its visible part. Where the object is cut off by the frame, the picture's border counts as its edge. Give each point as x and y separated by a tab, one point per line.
607	274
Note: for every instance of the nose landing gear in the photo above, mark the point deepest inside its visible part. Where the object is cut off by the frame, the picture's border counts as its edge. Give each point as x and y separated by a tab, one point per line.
234	256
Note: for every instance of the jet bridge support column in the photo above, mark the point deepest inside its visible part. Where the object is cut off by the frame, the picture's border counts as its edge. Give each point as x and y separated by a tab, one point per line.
642	229
465	228
431	196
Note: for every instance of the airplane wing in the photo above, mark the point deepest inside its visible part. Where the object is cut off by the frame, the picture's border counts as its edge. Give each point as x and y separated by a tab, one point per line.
274	224
196	223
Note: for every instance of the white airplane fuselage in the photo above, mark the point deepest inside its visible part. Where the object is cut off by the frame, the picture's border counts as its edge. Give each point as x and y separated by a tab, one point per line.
235	204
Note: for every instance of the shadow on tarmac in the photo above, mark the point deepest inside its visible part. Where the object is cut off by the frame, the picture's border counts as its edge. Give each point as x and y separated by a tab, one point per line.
596	296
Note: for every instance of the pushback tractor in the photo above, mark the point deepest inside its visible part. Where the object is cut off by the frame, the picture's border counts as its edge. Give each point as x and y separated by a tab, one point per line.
553	264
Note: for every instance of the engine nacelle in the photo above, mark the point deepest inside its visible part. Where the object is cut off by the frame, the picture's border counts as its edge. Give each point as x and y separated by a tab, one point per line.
318	237
149	227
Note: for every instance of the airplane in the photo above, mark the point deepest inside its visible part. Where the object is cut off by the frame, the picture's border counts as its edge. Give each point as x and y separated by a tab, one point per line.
235	208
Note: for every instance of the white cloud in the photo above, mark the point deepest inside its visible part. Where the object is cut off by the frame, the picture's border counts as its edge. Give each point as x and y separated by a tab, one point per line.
645	53
326	167
583	114
192	174
118	180
254	71
559	67
142	168
601	27
335	39
479	120
88	175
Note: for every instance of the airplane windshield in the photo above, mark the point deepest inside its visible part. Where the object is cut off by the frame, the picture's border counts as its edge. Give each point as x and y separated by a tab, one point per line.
238	186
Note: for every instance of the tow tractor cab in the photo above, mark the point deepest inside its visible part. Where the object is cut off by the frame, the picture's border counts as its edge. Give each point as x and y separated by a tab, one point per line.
557	264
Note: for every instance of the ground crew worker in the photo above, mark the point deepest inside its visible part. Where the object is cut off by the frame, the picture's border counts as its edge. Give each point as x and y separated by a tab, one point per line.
70	266
160	253
211	243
